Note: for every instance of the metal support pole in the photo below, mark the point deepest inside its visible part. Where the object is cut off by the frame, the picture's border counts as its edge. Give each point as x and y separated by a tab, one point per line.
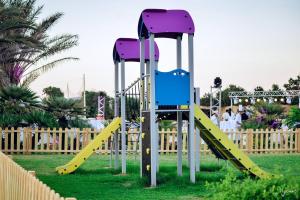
179	143
179	114
191	113
220	105
211	101
197	153
148	85
123	115
142	95
84	97
157	134
231	103
152	112
116	141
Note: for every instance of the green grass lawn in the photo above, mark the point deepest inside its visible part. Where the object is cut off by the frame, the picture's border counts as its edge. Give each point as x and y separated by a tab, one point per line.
95	180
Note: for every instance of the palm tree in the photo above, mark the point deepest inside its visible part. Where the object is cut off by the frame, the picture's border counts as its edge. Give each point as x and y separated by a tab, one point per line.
18	100
26	45
63	109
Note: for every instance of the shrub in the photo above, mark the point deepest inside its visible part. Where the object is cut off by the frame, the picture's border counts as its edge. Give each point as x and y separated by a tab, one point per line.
293	116
253	124
41	119
79	123
232	188
9	120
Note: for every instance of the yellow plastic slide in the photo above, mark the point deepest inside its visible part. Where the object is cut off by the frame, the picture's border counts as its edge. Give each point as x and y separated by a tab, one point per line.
87	151
225	148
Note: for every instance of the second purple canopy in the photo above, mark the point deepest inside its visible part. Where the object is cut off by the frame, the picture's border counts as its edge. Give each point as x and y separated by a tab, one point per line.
128	49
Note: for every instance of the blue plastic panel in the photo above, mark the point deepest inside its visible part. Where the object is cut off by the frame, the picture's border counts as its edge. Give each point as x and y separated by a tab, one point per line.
172	88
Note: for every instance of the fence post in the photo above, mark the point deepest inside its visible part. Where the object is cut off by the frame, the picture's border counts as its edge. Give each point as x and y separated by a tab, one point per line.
1	139
173	141
60	140
298	139
6	140
66	141
32	173
12	139
250	140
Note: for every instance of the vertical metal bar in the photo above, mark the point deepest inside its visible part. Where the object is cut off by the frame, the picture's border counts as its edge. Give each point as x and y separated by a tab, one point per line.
191	113
142	95
220	105
179	144
147	85
157	134
84	97
116	141
123	115
197	152
152	112
179	114
211	102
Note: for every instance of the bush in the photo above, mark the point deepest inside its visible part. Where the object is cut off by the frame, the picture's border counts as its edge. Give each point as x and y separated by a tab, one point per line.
293	117
253	124
232	188
265	116
35	118
10	120
41	119
79	123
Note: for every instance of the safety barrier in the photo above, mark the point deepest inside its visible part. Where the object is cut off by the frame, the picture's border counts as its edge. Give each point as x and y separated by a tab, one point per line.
26	140
17	183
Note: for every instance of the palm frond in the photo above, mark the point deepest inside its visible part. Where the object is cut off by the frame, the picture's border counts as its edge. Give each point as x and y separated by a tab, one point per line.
34	74
29	79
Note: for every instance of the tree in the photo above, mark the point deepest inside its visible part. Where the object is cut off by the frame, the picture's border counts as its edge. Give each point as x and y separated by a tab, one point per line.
275	87
18	100
53	92
205	99
293	116
225	100
293	84
23	60
259	88
19	106
225	94
92	104
63	109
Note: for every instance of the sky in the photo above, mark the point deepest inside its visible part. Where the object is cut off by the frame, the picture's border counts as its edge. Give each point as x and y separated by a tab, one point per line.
247	43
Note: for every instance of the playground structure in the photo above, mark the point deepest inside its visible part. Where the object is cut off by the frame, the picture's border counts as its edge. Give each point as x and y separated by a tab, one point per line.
162	95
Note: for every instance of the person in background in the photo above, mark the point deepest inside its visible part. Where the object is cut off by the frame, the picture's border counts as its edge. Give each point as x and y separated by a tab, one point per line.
225	116
244	116
214	118
231	114
238	119
249	111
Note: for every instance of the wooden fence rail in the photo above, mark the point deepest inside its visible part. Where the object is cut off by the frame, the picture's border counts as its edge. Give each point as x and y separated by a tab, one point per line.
26	141
17	183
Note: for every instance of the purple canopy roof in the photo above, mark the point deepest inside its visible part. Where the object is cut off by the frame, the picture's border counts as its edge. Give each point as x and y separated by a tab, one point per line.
128	49
165	23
